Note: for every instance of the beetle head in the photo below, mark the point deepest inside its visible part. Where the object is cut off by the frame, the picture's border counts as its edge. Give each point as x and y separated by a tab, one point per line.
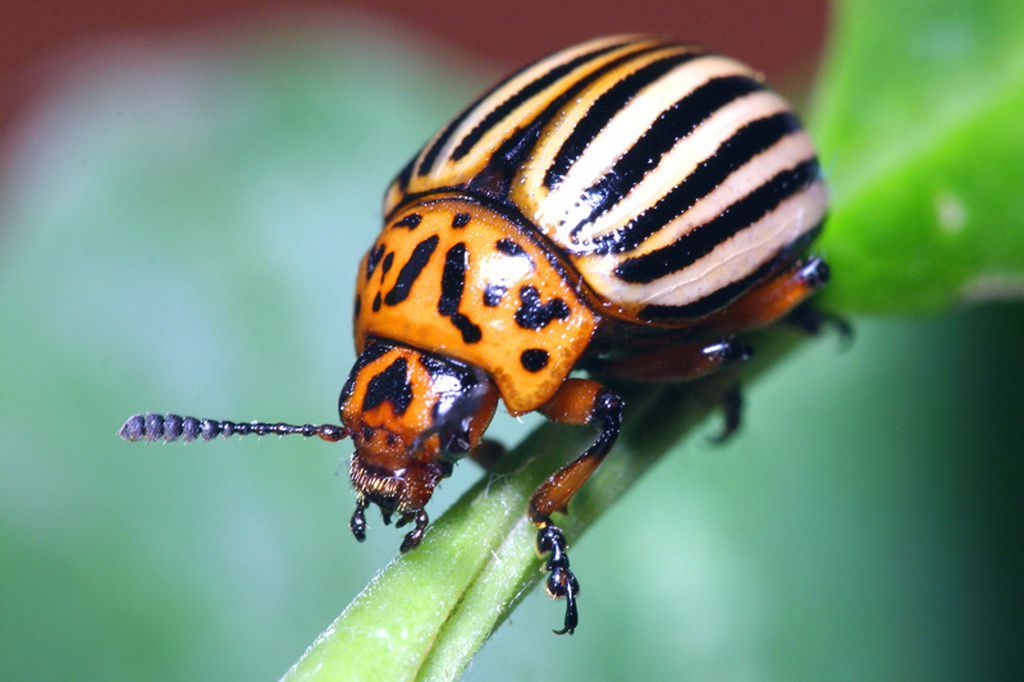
410	414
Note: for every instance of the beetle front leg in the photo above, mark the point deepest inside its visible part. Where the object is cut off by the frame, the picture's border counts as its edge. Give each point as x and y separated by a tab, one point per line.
358	521
577	402
414	537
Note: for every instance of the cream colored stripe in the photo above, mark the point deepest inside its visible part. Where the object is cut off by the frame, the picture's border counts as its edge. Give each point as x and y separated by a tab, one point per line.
621	133
784	154
530	191
734	259
683	158
418	183
502	94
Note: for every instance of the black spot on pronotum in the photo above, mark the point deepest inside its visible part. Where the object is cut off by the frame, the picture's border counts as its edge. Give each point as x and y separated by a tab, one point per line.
453	281
389	260
391	385
533	314
534	359
376	302
372	259
510	248
493	294
460	220
411	221
470	332
411	270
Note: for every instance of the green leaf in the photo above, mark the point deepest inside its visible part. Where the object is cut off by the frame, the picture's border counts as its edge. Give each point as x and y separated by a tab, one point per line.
918	123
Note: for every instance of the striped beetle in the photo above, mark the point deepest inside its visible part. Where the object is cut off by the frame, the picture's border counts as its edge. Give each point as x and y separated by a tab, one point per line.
625	206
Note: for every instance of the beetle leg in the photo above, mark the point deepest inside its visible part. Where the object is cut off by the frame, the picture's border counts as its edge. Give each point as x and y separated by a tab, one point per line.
577	402
561	582
677	363
771	300
487	453
358	521
415	536
731	403
808	319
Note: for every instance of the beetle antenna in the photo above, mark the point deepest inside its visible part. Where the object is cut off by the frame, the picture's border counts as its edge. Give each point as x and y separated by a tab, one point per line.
171	427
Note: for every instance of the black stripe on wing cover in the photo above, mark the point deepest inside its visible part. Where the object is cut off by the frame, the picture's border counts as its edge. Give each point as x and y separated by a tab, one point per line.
752	139
538	85
604	109
702	239
673	124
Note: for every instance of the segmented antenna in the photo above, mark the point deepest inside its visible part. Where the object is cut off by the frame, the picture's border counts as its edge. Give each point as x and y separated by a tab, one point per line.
171	427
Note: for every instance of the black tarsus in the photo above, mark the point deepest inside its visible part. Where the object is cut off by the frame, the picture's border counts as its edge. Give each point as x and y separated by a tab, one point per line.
358	521
561	582
731	403
810	320
170	427
414	537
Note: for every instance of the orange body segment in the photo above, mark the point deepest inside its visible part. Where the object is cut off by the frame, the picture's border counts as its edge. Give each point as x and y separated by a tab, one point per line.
453	277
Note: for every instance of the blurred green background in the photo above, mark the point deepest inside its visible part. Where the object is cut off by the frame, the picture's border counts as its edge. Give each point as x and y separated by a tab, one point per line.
179	228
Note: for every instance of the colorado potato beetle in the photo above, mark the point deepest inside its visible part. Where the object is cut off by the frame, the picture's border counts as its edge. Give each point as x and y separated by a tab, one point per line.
625	207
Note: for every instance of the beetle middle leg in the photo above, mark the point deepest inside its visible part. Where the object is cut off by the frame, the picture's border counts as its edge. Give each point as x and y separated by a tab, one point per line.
577	402
487	453
686	362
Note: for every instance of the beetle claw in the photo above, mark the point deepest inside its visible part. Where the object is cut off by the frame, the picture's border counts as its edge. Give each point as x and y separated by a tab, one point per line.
414	537
561	581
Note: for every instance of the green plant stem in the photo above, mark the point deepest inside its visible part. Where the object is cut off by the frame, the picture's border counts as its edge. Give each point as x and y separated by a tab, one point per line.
427	613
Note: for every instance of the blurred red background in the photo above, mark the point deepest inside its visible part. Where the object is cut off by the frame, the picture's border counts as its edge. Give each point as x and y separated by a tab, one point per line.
780	38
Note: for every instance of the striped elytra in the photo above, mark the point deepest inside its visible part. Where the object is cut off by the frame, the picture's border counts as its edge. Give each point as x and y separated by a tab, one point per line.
662	172
628	207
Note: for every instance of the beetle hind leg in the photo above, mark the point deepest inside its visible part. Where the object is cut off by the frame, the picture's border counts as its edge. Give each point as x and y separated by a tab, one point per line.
785	297
809	319
732	414
780	297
